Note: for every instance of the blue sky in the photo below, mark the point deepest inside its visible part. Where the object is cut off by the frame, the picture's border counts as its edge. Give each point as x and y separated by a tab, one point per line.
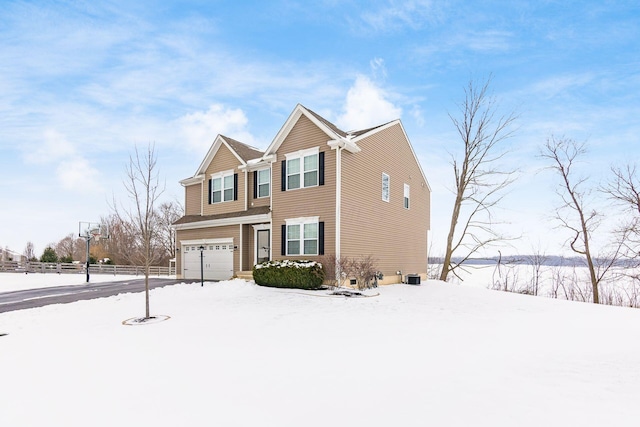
83	82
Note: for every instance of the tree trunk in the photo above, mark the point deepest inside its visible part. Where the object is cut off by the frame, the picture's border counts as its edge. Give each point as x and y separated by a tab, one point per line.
446	263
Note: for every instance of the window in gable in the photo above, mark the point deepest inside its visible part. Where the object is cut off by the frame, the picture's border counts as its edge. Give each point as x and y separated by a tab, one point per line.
406	196
293	174
263	182
223	188
311	170
303	169
385	187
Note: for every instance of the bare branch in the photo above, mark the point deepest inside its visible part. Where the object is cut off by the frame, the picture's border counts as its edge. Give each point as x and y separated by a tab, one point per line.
479	179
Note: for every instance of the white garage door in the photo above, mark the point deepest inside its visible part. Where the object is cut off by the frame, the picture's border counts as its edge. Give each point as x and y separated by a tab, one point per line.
217	261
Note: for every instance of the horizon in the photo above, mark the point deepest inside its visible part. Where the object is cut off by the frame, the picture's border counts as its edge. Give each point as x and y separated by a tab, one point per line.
84	84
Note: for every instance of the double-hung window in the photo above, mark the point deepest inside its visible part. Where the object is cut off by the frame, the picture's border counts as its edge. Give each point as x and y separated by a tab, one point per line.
303	169
263	182
223	187
303	236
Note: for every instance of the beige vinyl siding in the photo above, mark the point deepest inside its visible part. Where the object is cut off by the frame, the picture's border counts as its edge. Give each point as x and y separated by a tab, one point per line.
304	202
395	236
260	201
223	160
193	201
247	247
227	231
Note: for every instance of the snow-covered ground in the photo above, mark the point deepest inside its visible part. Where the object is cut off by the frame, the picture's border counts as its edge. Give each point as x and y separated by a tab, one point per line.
235	354
20	281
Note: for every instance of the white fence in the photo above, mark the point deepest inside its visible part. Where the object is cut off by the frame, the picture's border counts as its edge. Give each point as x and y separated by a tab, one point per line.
61	267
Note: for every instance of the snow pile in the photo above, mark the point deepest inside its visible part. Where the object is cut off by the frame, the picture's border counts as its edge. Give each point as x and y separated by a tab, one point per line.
236	354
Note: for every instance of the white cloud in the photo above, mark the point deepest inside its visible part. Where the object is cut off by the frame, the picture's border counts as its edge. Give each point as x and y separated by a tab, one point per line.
76	174
367	105
52	147
201	128
417	115
398	14
378	68
72	170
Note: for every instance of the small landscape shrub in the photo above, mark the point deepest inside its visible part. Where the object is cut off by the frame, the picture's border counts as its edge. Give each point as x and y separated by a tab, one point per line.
301	274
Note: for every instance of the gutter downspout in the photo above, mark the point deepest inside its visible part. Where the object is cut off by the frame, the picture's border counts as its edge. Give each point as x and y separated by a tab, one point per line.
246	188
338	198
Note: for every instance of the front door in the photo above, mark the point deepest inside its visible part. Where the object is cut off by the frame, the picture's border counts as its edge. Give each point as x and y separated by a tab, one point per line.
262	243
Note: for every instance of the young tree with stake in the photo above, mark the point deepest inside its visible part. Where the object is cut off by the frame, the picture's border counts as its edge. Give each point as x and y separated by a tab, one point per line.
143	187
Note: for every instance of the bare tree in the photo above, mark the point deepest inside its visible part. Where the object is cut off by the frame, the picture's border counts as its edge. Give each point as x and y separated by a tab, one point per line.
120	240
166	214
576	213
29	252
537	261
624	188
479	178
143	187
66	248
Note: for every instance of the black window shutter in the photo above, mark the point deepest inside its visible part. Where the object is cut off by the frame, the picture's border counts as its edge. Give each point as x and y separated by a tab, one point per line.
283	184
321	238
235	186
283	239
210	190
321	168
255	184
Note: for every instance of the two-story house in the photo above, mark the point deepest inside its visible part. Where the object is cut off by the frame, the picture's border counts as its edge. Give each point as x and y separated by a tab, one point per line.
315	191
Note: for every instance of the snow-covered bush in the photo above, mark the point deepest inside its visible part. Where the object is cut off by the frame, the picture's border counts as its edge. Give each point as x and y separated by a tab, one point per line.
302	274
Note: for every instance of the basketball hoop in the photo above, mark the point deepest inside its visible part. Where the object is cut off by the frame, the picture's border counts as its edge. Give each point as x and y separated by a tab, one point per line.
88	231
96	234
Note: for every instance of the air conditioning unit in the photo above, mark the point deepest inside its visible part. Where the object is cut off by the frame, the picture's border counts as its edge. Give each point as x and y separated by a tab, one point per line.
412	279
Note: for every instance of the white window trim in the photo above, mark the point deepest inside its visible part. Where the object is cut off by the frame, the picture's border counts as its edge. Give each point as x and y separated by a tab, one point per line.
301	221
388	187
301	154
221	176
267	183
406	201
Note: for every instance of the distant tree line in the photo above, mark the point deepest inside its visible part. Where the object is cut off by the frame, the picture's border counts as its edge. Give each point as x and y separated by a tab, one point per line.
117	247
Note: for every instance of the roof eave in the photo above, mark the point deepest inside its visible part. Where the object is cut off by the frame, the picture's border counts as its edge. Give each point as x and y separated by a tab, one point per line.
193	180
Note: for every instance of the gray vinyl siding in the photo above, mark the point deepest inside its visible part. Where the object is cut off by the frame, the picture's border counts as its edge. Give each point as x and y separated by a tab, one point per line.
304	202
395	236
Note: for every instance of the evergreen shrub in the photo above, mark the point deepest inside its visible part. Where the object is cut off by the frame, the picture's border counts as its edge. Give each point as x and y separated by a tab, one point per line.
301	274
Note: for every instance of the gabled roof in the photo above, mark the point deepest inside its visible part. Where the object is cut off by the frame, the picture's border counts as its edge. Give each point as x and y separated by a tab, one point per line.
368	132
327	123
246	152
242	152
323	124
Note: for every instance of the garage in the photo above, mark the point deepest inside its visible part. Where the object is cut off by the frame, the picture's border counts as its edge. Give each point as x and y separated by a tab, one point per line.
217	260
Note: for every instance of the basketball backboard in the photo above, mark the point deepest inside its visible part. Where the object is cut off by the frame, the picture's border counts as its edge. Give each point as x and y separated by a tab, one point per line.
90	230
